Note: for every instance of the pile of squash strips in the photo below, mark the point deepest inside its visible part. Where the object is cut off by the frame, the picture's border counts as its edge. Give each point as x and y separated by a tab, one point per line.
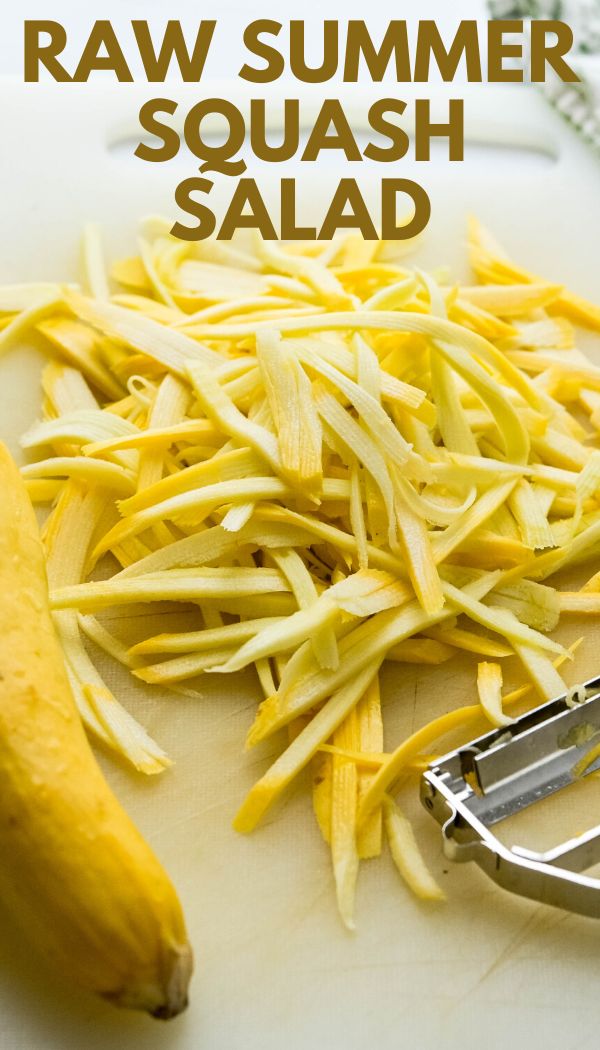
332	459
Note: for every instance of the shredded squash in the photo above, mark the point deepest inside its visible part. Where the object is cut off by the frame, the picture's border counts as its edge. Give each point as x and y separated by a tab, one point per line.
331	460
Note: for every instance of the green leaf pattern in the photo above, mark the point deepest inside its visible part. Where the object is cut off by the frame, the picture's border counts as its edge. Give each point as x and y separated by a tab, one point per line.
582	15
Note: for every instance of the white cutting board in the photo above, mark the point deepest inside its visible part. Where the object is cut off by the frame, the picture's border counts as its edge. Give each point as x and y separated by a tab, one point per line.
275	969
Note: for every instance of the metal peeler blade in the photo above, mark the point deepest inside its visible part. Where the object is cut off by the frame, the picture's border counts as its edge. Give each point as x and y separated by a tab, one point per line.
500	773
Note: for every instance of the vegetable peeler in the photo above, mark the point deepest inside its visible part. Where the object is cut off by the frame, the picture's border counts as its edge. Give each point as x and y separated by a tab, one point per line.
471	789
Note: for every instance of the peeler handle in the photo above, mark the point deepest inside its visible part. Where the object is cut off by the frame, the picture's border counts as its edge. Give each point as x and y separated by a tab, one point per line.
529	874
